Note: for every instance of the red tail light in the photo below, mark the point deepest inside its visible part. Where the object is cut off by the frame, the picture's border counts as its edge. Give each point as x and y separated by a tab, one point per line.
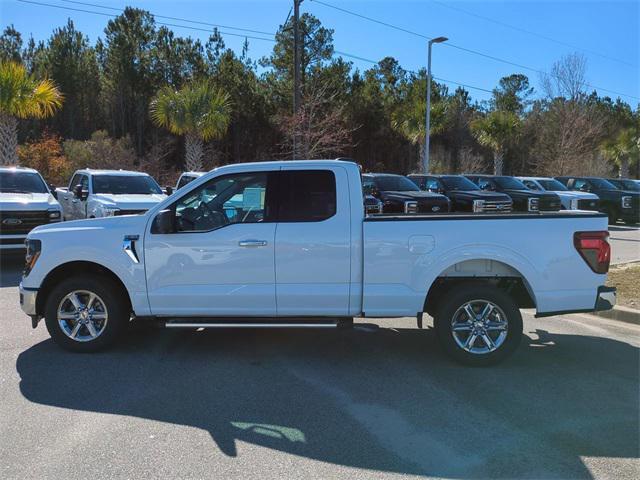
594	249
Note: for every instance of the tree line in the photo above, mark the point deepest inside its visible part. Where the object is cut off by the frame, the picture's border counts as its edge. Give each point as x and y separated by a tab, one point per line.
143	97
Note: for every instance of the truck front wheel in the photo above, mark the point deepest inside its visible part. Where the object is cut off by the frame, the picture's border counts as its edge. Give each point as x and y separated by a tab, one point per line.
478	324
86	313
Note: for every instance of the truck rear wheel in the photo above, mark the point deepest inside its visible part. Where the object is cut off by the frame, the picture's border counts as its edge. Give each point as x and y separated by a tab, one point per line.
86	313
478	325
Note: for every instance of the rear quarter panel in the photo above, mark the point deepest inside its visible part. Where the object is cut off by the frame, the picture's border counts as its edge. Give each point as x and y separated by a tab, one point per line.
402	258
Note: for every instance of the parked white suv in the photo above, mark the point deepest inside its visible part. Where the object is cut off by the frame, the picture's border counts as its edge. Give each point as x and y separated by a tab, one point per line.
108	193
25	203
571	200
188	177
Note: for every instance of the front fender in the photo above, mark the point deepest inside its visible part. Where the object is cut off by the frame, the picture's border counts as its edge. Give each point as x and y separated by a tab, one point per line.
98	241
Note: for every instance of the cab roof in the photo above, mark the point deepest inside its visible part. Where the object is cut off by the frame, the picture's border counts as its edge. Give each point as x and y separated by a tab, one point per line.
17	169
126	173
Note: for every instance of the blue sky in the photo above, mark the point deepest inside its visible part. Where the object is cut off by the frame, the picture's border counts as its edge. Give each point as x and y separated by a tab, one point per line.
606	32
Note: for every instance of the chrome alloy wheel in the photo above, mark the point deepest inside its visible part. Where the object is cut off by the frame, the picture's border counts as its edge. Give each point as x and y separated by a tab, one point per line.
479	326
82	315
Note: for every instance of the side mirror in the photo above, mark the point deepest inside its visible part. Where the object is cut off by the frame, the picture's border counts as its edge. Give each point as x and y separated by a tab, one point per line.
80	192
164	222
168	190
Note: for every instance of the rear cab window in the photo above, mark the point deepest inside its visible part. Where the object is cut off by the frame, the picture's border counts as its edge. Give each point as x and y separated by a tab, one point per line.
306	195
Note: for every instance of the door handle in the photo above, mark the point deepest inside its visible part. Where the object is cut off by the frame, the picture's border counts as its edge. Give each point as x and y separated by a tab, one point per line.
252	243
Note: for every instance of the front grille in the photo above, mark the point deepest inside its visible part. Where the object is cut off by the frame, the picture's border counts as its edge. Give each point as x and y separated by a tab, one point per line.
432	207
588	204
130	212
21	222
12	241
497	206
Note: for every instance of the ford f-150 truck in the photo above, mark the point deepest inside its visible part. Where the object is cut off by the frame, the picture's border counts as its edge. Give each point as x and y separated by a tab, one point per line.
108	193
398	194
524	199
571	200
276	244
25	203
465	195
616	203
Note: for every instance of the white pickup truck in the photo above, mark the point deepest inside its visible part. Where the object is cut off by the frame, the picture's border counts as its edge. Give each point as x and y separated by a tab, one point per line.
288	244
108	193
25	203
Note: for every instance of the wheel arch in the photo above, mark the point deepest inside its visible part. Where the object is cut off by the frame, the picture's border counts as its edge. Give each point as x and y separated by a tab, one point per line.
481	271
68	269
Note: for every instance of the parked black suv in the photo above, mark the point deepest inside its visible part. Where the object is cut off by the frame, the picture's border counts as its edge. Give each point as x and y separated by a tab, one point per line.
617	204
465	195
398	194
524	200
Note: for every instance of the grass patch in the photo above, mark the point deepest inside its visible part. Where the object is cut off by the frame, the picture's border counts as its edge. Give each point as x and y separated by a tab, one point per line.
627	280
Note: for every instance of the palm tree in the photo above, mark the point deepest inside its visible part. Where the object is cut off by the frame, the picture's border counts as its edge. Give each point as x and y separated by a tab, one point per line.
22	96
623	149
496	131
409	121
198	111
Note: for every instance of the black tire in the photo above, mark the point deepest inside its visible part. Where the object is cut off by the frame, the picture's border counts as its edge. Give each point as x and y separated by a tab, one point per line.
450	306
115	306
612	213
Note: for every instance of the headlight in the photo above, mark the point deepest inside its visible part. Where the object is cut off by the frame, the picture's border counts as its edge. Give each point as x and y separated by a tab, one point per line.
626	202
110	211
33	252
54	214
573	205
534	205
478	205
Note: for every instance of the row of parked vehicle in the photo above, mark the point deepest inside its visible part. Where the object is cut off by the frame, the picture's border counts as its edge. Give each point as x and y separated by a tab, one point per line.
26	200
420	193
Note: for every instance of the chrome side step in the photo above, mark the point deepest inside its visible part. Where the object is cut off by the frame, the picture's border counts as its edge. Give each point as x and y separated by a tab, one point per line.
249	325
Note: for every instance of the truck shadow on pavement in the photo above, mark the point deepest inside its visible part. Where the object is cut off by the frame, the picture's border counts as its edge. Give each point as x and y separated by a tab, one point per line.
384	400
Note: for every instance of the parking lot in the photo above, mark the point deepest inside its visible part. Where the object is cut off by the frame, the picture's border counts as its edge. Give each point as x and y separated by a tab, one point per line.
625	244
379	401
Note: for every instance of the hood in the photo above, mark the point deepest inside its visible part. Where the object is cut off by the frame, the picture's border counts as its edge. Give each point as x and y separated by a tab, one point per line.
530	194
91	224
574	194
479	195
28	201
412	195
130	201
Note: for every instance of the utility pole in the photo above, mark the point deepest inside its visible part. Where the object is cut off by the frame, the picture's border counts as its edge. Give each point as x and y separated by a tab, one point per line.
296	69
425	164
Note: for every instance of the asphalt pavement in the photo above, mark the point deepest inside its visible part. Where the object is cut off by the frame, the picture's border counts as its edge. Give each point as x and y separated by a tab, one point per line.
380	401
625	244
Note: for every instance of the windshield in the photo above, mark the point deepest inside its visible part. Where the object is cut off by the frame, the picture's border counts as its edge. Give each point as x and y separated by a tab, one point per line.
553	185
630	185
125	185
602	184
510	183
21	182
395	183
459	183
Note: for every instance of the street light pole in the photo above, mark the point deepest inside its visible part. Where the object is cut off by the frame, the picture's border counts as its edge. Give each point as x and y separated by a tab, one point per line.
425	165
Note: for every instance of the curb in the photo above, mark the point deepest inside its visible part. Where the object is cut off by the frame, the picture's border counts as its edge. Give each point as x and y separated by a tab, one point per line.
621	314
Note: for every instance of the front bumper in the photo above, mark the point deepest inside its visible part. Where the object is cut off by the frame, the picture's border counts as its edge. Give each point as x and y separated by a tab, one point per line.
28	297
